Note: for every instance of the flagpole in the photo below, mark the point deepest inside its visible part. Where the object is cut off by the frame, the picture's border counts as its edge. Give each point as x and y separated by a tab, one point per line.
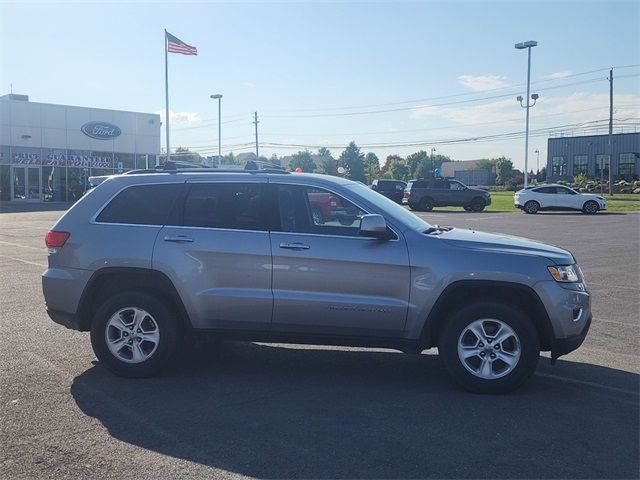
166	92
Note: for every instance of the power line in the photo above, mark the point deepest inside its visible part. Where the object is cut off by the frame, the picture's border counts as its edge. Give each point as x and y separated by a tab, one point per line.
458	102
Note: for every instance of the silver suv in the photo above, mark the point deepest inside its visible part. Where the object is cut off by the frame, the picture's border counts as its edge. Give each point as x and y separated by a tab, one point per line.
144	259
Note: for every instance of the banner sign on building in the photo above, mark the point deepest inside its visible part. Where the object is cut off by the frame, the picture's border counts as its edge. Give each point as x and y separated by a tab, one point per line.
101	130
60	160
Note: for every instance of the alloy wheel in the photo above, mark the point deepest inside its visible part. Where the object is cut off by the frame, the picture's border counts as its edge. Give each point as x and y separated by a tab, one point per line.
489	348
132	335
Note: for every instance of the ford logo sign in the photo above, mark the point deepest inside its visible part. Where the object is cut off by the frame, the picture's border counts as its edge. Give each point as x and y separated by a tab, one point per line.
101	130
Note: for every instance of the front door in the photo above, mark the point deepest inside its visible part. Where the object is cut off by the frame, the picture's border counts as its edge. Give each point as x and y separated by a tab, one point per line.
216	250
26	185
326	278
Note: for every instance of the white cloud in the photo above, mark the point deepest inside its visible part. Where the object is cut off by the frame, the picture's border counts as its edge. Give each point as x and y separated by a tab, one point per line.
482	83
249	84
558	75
181	118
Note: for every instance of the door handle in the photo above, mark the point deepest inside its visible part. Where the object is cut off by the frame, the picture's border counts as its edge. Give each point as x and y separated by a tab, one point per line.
178	239
295	246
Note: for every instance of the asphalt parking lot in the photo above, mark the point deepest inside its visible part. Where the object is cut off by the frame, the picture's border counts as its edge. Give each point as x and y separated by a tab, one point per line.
282	411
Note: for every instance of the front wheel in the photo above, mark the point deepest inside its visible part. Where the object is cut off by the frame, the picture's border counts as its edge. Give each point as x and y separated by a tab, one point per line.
590	207
489	347
135	334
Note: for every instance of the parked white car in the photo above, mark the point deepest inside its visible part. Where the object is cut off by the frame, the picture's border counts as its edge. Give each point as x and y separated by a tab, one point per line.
557	197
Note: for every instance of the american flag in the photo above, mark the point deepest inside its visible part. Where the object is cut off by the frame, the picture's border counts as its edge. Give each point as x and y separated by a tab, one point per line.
175	45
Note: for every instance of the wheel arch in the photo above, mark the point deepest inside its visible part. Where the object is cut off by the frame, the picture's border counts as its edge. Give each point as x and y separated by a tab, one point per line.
113	280
522	296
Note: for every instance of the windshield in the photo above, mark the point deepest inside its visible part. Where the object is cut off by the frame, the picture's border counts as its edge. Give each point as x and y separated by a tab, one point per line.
399	212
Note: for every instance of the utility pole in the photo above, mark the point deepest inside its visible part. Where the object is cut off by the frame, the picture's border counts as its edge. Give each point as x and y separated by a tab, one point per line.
255	122
610	130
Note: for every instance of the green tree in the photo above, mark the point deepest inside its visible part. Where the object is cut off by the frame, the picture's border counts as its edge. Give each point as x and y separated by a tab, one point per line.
328	165
352	160
415	161
400	171
303	161
183	154
541	176
388	163
504	170
371	167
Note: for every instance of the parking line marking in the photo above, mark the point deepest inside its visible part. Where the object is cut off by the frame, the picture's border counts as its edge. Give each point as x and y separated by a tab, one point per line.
24	261
41	249
585	382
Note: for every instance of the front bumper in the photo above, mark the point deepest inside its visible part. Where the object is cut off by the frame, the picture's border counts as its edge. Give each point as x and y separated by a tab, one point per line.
569	313
562	346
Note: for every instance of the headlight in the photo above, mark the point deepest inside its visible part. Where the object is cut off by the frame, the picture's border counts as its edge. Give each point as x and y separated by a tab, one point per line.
564	273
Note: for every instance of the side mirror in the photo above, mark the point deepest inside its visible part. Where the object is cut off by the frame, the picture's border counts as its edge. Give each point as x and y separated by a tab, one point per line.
373	226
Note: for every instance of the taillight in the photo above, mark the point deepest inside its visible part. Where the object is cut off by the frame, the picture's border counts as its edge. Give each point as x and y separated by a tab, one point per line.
55	239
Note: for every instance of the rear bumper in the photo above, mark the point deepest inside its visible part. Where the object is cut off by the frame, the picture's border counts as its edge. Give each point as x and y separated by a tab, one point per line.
69	320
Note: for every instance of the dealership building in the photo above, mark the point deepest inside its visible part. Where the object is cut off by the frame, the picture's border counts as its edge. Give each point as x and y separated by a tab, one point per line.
592	156
48	152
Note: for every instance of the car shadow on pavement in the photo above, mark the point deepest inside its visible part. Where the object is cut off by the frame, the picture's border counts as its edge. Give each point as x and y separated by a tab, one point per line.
278	411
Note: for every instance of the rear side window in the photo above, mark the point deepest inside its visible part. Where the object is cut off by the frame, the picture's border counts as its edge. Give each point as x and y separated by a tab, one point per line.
237	206
141	205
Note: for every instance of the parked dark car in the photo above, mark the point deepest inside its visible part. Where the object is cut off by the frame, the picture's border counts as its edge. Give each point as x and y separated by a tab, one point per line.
393	189
424	194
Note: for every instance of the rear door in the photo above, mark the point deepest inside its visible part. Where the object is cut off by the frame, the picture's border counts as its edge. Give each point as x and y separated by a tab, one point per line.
216	250
329	280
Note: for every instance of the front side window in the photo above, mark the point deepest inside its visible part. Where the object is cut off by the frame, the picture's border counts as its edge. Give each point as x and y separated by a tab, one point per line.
456	186
238	206
558	166
313	210
580	164
141	205
627	164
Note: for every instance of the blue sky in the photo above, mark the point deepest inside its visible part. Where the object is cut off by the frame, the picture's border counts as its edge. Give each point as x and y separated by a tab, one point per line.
315	71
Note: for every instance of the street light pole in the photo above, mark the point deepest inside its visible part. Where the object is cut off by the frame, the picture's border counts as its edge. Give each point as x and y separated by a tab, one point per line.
219	98
537	161
521	46
432	169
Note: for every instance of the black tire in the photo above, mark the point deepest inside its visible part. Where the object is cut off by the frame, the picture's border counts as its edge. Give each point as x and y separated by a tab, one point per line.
467	208
426	204
318	218
167	323
590	208
531	207
529	347
477	205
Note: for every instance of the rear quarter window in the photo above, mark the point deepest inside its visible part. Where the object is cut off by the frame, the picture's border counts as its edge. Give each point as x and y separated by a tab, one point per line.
141	205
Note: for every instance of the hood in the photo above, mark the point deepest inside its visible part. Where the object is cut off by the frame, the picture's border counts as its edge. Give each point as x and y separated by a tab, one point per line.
500	243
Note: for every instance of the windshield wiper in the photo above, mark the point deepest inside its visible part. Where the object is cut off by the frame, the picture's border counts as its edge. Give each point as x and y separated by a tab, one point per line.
437	230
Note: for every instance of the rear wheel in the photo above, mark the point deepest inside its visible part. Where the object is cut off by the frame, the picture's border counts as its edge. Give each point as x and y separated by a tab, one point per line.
426	204
531	207
489	347
591	207
135	334
477	205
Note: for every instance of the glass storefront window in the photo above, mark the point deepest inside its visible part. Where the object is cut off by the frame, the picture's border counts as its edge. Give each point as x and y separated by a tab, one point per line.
124	162
5	157
627	164
5	182
580	164
558	167
54	175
